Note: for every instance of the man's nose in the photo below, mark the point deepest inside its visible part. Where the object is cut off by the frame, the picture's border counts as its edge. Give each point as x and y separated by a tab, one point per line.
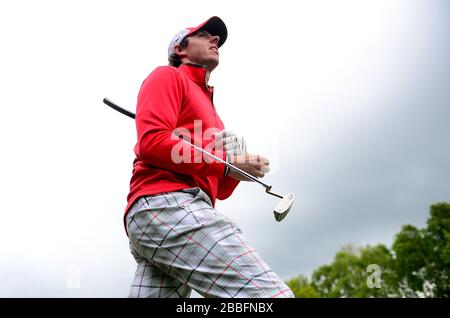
215	39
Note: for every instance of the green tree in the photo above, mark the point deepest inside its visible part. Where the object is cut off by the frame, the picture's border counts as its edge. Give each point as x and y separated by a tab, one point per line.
411	251
438	234
301	287
350	274
423	255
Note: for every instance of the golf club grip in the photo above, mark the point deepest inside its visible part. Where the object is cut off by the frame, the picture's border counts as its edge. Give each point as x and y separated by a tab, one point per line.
118	108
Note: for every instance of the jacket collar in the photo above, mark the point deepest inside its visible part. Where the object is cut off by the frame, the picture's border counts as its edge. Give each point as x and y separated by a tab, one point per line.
196	72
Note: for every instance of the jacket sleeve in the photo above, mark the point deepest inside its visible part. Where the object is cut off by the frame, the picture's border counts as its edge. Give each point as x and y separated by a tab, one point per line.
226	187
158	108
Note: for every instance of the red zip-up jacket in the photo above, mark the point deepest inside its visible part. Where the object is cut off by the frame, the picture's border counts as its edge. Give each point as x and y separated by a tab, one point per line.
172	98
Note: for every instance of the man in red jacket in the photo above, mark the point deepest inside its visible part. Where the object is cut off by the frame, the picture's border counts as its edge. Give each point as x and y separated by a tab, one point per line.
180	242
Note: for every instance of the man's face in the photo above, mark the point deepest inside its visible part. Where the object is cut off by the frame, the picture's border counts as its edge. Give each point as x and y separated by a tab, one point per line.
202	49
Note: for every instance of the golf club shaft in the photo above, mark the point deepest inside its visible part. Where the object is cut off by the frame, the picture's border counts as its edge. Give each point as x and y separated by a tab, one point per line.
240	171
118	108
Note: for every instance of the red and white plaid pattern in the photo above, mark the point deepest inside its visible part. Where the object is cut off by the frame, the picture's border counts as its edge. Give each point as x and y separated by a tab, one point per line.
181	243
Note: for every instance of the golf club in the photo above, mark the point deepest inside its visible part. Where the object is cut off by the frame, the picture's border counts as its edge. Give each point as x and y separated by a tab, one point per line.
282	208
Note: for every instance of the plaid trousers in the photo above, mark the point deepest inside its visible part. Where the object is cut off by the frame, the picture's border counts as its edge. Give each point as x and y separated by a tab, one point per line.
181	243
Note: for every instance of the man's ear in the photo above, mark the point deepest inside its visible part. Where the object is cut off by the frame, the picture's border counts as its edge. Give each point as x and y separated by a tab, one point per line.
178	50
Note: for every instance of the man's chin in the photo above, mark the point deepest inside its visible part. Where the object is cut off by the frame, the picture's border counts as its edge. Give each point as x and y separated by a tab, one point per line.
212	65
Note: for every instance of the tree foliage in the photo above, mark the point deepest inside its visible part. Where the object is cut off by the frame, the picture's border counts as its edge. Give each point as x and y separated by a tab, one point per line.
302	288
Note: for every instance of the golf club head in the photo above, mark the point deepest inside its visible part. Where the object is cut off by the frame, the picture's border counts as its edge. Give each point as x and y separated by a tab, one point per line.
284	206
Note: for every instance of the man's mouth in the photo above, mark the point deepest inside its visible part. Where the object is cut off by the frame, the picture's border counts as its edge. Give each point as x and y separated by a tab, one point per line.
215	49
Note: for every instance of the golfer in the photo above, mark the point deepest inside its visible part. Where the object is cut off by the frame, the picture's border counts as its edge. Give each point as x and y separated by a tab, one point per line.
179	241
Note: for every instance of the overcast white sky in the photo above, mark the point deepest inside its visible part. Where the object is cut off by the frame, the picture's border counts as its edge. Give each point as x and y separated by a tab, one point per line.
349	100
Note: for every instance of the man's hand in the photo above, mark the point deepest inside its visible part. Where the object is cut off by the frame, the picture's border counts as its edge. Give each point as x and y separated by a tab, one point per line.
256	165
230	142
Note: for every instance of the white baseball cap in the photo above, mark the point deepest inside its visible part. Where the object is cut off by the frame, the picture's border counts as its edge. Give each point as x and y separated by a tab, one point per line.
214	26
